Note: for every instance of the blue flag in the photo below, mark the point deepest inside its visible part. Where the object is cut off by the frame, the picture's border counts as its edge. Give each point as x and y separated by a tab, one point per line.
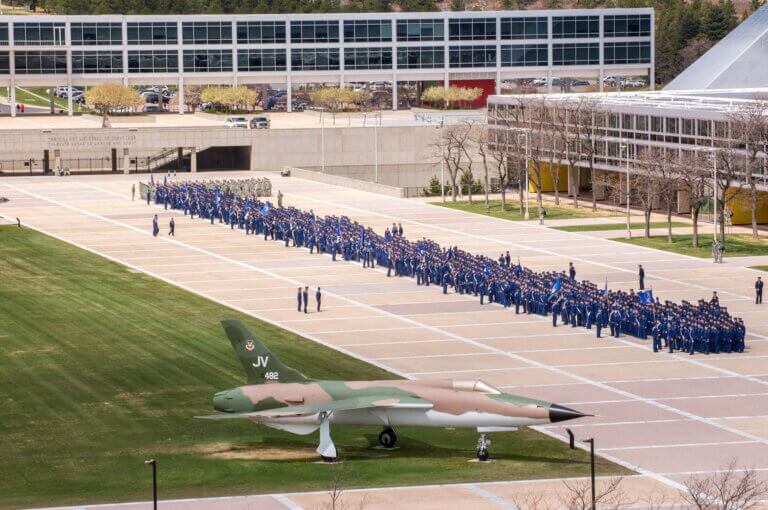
556	286
265	209
646	297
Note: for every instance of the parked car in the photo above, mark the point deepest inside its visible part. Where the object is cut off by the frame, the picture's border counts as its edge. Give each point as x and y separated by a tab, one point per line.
150	97
62	91
259	122
236	122
151	108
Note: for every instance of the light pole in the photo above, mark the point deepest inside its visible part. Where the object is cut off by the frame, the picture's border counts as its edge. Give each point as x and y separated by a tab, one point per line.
625	146
322	140
442	161
153	463
376	154
715	185
591	442
527	150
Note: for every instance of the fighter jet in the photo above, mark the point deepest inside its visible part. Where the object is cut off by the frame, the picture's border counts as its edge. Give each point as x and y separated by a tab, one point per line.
282	398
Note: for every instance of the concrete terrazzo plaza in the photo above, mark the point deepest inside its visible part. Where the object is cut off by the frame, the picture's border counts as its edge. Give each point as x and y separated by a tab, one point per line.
666	416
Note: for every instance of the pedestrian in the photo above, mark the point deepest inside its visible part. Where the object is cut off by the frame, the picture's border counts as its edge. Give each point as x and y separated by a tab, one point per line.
172	228
571	271
400	229
22	107
18	222
298	299
279	199
133	192
715	299
759	291
318	298
155	227
641	276
305	298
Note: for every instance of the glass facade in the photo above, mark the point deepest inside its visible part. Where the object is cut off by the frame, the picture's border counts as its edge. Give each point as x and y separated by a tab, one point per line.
5	62
421	57
420	30
628	25
524	28
315	59
40	62
480	29
362	30
3	34
314	31
39	34
575	54
159	33
260	32
96	34
261	60
524	55
367	58
472	56
207	61
96	61
153	61
634	52
568	27
207	32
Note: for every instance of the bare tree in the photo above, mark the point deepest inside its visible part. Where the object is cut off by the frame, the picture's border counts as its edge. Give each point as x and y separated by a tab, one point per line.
466	143
577	495
729	489
568	119
730	183
749	127
492	148
697	182
539	138
589	121
451	149
646	183
336	491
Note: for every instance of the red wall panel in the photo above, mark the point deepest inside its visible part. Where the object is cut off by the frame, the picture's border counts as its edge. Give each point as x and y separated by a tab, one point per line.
488	86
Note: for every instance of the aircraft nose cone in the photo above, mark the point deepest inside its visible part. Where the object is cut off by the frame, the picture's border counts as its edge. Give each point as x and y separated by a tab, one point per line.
221	401
561	413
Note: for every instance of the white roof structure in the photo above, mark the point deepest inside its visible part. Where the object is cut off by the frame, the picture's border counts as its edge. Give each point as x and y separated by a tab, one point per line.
737	61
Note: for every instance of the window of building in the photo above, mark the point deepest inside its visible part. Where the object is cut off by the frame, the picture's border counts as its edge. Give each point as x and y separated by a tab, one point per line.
673	125
567	27
3	34
524	28
420	30
480	29
367	30
367	58
5	62
207	32
704	128
689	126
721	129
87	62
261	60
641	122
96	34
40	62
314	31
207	61
39	34
153	61
524	55
472	56
626	122
628	52
260	32
613	120
627	25
420	57
314	59
657	124
575	54
159	33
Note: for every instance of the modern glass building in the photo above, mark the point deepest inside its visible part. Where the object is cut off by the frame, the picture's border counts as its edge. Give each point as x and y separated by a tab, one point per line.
482	49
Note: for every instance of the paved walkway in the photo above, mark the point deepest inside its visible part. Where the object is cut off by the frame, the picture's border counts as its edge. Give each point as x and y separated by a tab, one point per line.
667	416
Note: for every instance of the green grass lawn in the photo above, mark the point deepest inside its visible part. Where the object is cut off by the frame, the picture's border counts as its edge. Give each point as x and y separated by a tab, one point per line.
512	211
736	245
760	268
103	367
619	226
29	96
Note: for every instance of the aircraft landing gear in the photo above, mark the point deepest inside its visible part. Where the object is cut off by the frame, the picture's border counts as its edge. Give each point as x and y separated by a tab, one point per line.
388	438
483	447
326	449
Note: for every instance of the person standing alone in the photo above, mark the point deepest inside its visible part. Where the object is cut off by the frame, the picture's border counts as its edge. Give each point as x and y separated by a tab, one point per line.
641	276
759	291
155	227
298	299
172	228
318	298
305	298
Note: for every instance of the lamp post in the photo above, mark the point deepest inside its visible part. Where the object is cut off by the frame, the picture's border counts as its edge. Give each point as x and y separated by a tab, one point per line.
322	140
591	442
715	185
376	154
153	463
527	156
625	146
442	161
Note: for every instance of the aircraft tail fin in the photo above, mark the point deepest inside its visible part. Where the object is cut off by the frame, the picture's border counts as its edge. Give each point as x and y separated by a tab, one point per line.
259	363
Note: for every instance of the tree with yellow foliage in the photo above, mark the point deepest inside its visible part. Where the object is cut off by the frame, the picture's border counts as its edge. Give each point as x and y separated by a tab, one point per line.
233	98
109	97
453	95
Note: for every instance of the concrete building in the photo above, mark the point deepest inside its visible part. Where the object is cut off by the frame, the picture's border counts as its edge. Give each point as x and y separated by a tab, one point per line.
560	49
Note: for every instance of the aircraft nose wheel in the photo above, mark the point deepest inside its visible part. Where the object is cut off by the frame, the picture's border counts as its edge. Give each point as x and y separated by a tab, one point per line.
483	448
388	438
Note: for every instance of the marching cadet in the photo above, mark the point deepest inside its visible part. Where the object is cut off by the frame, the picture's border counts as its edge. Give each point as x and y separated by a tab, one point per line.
556	307
172	228
298	299
155	227
715	300
656	334
614	319
571	271
599	321
305	298
641	276
318	298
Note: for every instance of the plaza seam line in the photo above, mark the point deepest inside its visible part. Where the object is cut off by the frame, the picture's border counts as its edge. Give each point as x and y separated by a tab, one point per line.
433	328
491	497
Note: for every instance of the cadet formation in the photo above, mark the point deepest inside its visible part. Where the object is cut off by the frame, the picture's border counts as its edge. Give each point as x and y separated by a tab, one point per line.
701	327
